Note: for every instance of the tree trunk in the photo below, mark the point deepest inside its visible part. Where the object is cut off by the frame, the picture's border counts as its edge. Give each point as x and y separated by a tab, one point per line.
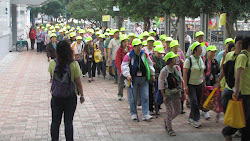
175	33
230	20
146	23
33	18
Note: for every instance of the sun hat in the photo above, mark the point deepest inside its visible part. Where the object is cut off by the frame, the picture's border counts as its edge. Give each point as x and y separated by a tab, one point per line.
123	37
150	39
145	43
136	42
212	48
170	55
163	36
156	43
132	34
159	49
141	36
229	40
152	32
122	29
168	39
102	36
145	33
199	33
79	38
88	39
194	45
174	43
52	35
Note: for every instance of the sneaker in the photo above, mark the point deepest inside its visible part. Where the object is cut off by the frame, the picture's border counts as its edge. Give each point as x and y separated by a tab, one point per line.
190	120
196	124
134	117
206	115
146	117
139	107
119	98
83	75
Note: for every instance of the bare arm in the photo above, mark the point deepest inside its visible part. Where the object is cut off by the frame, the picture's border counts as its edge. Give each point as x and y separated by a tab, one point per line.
185	71
237	82
79	85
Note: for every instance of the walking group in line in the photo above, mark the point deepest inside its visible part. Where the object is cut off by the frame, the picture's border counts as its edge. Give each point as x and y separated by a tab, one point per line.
153	68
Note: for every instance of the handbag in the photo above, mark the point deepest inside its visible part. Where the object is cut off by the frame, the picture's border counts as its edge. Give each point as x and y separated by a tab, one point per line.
174	93
79	57
98	56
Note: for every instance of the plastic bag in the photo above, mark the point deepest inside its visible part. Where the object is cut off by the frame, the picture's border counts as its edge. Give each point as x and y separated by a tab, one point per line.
98	56
209	103
234	116
217	102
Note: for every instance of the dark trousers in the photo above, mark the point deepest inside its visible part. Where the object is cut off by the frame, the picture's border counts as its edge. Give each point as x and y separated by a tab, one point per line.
84	68
91	68
67	108
187	46
194	93
151	97
101	67
226	95
32	42
39	47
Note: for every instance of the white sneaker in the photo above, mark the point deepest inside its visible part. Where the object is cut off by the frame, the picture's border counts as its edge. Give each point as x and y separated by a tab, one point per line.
146	117
139	107
196	124
134	117
206	115
119	98
190	120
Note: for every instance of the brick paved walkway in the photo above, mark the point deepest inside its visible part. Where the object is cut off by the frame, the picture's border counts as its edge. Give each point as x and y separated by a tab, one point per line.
25	108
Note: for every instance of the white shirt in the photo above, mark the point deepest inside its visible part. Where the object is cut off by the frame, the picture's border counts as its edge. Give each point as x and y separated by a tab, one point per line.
188	39
156	29
137	31
77	48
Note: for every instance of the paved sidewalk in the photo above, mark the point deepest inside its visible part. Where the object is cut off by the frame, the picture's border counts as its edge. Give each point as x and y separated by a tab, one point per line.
25	112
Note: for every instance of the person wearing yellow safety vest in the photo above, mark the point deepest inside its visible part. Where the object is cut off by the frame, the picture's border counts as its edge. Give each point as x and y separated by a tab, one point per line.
138	68
170	80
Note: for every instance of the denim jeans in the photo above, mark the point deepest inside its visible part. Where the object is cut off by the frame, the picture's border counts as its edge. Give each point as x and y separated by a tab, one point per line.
194	93
226	95
67	108
115	70
140	84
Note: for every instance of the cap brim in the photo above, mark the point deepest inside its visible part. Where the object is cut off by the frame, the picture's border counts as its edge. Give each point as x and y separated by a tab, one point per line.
161	51
88	40
213	50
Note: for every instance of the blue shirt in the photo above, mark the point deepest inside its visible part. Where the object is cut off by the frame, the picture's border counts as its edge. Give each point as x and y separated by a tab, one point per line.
54	45
220	56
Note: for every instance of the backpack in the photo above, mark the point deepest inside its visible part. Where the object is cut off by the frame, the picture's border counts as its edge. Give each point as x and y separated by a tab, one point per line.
228	68
62	86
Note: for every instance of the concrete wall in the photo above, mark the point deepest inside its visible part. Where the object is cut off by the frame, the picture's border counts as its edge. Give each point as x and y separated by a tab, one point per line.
4	47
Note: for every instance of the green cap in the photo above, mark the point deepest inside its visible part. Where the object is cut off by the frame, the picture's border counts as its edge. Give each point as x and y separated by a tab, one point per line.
152	32
38	28
136	42
72	34
78	28
61	30
163	36
132	34
150	39
79	38
141	36
97	33
229	40
106	34
174	43
170	55
57	27
145	43
199	33
81	31
97	29
168	39
88	39
53	31
108	29
159	49
52	35
212	48
72	28
122	29
156	43
68	27
194	45
145	33
115	30
102	36
123	37
111	32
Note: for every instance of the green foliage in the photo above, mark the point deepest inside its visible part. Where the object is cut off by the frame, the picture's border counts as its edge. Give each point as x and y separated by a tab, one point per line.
53	8
89	9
